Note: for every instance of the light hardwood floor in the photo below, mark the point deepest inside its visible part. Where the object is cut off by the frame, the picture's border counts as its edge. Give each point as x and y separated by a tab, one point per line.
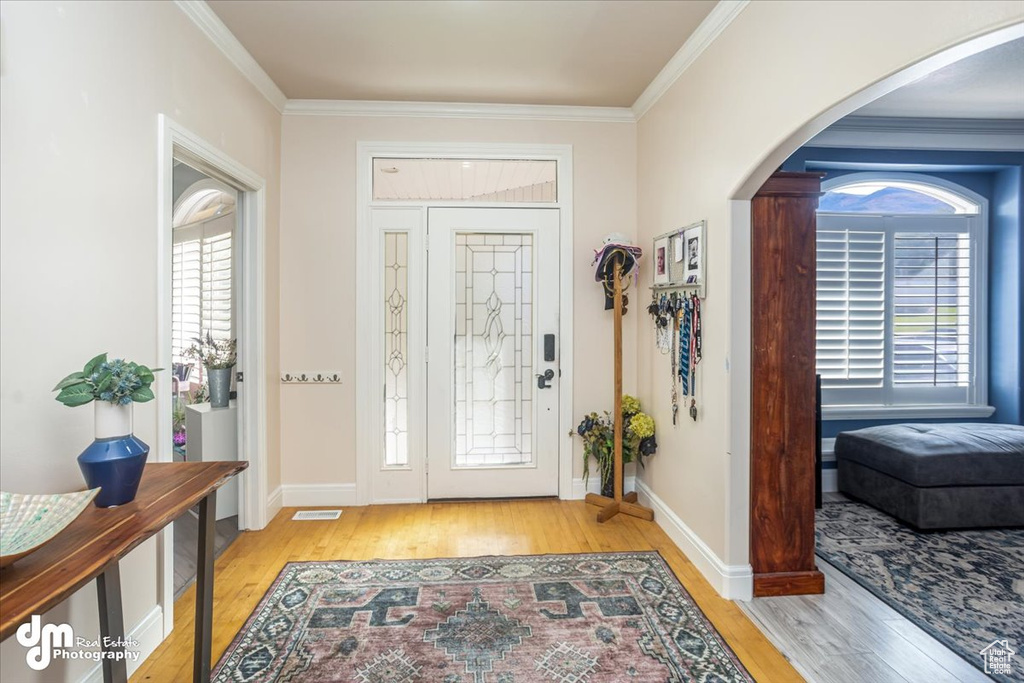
465	529
186	537
848	635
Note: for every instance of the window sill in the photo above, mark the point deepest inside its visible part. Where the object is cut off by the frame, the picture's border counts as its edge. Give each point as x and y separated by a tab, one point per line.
903	412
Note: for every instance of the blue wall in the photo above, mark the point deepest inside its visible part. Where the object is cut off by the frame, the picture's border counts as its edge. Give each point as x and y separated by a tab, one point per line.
998	177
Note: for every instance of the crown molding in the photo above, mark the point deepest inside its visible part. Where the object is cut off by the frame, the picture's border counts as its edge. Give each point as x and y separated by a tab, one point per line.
714	23
892	132
219	34
458	110
210	24
903	124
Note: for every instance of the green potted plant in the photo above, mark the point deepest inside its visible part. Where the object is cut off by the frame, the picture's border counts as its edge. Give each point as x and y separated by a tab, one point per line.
598	434
218	356
115	459
178	422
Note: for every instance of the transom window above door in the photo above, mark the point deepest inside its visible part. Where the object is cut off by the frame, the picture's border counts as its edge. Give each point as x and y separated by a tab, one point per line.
901	277
527	181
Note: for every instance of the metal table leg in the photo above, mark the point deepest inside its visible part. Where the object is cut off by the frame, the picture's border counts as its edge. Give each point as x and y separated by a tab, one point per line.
204	588
108	588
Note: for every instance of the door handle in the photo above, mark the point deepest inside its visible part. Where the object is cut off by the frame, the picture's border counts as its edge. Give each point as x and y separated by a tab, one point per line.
542	380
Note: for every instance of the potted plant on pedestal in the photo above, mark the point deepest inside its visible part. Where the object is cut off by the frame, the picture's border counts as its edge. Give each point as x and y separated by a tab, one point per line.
218	356
115	459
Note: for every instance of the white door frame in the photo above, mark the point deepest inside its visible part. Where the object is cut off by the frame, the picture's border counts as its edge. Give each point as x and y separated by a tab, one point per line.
369	417
175	140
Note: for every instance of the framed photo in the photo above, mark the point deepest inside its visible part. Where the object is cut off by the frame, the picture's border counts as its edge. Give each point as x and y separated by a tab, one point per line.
693	255
661	257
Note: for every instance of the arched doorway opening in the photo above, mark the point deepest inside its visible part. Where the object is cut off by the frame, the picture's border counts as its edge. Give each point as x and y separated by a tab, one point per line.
738	524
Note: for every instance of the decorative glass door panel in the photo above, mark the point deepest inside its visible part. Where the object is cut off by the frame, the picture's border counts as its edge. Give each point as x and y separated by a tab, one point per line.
492	428
396	349
399	363
493	349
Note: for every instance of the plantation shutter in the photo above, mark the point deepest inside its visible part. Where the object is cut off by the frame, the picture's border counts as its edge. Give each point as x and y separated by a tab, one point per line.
217	285
201	272
931	309
186	295
850	308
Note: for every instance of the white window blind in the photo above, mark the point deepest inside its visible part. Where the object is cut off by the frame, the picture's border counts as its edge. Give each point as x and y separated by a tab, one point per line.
186	296
201	283
217	285
850	344
896	307
932	307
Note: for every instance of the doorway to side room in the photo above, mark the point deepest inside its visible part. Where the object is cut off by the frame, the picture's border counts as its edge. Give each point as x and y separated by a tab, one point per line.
206	230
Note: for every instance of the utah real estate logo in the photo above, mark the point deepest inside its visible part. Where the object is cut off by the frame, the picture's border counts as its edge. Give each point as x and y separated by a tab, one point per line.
997	657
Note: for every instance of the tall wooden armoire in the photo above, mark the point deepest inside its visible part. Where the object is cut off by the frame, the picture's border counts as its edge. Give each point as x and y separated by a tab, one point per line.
782	479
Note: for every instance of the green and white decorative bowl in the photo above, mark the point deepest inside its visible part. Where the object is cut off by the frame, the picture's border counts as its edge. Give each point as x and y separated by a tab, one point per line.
27	521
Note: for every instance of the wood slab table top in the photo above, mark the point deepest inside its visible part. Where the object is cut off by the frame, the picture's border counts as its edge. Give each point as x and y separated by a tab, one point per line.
38	582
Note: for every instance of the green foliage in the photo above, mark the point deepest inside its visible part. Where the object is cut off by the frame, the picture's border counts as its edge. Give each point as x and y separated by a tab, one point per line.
598	434
178	415
215	354
118	381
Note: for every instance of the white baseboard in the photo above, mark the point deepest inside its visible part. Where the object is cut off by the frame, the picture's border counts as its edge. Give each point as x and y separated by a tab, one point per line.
274	504
315	495
828	449
148	633
733	582
828	476
829	481
580	490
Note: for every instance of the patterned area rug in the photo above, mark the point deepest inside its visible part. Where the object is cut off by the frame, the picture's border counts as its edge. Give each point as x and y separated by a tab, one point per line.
564	618
965	588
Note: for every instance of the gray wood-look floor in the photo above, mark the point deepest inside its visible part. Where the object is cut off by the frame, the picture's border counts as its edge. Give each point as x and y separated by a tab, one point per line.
848	635
186	539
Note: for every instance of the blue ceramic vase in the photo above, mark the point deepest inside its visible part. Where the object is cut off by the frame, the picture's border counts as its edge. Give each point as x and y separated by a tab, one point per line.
115	459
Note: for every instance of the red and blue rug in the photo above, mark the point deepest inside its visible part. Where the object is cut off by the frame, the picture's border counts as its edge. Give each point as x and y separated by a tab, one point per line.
566	618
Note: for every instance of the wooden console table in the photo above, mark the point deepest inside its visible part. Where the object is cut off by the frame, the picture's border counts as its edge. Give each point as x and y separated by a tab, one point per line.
92	546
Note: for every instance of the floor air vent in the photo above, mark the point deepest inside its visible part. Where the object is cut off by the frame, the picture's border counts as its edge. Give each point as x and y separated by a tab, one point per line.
307	515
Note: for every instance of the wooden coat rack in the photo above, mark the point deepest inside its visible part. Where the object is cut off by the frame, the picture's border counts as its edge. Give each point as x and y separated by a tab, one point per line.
625	504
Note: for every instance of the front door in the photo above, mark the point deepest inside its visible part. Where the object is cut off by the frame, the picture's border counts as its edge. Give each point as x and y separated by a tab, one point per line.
492	423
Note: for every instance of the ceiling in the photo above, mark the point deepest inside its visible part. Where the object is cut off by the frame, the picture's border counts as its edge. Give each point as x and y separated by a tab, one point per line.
563	52
988	85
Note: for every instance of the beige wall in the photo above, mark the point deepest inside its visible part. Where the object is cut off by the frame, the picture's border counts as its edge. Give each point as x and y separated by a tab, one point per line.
80	90
319	322
81	85
776	67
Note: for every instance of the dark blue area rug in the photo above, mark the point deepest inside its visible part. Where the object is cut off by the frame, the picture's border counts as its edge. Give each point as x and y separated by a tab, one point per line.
965	588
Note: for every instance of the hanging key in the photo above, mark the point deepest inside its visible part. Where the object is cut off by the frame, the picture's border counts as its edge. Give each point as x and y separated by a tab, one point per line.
693	409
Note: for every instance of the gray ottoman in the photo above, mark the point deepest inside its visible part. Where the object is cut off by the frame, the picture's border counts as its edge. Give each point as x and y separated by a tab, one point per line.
937	476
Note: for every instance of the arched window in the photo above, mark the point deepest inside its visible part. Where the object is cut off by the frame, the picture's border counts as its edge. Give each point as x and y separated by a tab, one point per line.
890	195
900	292
202	301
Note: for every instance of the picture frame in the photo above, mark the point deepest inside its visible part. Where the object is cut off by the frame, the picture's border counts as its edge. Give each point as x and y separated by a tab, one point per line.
661	261
680	260
693	255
